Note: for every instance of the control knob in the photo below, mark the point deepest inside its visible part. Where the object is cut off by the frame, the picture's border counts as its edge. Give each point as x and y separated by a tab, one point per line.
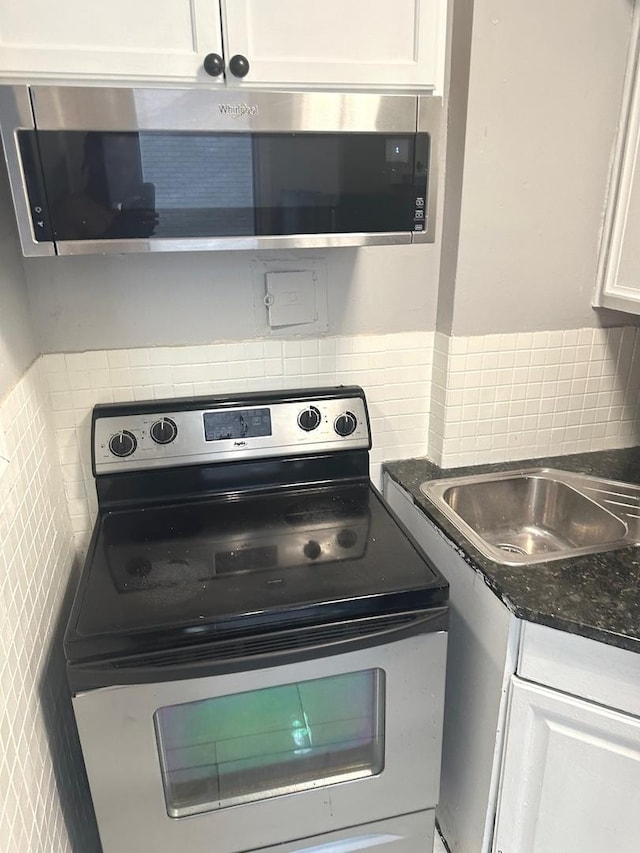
123	443
163	431
309	419
347	538
345	424
312	550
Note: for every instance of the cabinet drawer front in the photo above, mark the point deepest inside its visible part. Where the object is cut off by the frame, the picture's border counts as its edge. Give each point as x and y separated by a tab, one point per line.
580	666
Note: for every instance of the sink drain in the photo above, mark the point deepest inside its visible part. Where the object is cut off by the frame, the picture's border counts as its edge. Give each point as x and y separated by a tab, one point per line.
511	549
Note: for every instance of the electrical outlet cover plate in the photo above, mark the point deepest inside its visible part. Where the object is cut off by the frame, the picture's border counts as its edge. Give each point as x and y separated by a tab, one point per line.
290	297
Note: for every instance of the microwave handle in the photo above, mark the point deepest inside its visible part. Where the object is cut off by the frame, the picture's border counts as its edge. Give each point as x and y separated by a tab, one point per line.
15	109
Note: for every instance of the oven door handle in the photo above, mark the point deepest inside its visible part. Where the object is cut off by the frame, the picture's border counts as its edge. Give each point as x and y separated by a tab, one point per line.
241	654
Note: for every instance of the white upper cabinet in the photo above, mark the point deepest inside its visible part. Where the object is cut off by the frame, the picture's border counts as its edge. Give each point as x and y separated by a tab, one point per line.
618	283
119	39
335	44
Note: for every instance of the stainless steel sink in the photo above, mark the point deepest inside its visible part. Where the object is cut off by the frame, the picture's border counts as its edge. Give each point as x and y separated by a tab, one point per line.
541	514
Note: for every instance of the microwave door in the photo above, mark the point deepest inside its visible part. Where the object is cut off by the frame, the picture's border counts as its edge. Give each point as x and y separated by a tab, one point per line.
109	185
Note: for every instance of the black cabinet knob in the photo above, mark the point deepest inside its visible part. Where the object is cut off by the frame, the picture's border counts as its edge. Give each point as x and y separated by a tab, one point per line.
213	64
239	65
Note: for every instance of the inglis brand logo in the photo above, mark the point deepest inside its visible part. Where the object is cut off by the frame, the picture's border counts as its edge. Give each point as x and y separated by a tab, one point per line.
238	110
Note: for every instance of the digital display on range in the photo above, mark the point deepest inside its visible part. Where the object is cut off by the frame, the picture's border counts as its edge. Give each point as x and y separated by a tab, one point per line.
245	423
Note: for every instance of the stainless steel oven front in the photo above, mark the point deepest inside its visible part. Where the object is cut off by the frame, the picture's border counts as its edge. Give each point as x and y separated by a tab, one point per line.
332	748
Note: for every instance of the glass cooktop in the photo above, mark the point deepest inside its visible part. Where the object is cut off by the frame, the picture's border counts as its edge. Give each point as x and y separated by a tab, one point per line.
188	570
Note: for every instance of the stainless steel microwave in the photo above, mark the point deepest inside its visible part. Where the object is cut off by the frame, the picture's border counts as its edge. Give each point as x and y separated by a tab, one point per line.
97	170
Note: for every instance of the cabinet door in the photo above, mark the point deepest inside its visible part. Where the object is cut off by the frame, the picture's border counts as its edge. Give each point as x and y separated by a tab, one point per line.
571	776
118	39
618	283
337	43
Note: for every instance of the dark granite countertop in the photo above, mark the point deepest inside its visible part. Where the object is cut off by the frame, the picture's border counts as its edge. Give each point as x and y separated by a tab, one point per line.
597	596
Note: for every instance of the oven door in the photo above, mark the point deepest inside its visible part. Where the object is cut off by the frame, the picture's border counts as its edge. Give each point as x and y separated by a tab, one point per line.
272	755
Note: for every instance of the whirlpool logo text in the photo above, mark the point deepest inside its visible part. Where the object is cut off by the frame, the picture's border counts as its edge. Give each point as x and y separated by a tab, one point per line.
238	110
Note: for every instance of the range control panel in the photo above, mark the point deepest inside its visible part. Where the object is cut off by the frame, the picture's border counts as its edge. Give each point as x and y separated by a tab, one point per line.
129	438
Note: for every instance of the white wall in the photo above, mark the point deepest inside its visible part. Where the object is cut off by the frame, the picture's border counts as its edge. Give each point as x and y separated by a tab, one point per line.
17	345
524	395
131	301
457	106
544	97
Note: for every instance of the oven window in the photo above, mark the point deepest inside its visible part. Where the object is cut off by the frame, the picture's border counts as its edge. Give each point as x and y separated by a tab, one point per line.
250	746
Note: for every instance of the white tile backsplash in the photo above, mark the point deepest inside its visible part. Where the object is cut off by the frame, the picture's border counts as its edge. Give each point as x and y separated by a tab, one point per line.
505	397
461	400
395	371
44	805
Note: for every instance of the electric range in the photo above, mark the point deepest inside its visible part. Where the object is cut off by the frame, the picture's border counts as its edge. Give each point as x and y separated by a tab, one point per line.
257	646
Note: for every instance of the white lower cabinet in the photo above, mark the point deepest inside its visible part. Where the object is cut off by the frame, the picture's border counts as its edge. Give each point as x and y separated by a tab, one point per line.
541	748
570	776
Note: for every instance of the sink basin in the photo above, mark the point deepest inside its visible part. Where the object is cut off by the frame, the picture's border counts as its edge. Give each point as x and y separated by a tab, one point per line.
533	516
